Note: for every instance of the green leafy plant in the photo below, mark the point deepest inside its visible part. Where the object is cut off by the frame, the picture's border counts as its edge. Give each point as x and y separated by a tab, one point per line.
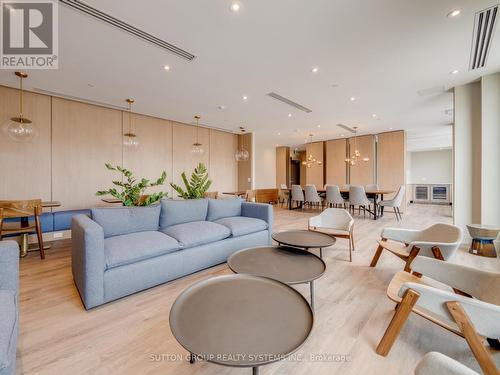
197	185
132	190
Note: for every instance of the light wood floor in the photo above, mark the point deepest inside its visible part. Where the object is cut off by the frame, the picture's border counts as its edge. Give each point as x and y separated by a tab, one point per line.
132	335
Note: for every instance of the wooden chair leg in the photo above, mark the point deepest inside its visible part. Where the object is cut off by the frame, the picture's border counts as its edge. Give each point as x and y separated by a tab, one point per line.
378	252
398	320
481	354
39	236
436	251
350	249
413	254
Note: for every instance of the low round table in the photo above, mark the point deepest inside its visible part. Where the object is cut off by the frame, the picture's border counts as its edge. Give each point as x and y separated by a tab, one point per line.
286	264
483	237
304	239
241	320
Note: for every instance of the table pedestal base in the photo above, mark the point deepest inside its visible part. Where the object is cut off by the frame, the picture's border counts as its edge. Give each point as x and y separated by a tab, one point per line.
485	248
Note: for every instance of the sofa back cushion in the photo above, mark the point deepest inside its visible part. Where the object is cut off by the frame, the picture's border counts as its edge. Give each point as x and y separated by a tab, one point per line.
175	212
220	208
122	220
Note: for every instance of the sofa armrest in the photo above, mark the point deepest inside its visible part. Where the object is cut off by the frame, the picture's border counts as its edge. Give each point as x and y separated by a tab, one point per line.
87	259
261	211
9	266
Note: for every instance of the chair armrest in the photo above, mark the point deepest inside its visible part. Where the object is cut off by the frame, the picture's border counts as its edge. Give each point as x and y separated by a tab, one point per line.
87	260
9	266
261	211
400	235
469	280
484	316
315	222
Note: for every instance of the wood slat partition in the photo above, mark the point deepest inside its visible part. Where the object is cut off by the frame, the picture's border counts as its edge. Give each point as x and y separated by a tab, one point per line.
223	167
315	174
25	167
282	166
245	167
391	161
335	165
363	172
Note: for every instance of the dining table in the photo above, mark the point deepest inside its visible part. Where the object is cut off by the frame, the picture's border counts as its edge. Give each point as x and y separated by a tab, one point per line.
376	195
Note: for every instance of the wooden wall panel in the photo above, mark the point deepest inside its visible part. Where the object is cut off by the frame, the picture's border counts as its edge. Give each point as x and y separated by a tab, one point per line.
363	172
335	165
154	153
303	168
282	166
84	137
391	160
223	166
184	160
25	167
245	167
315	174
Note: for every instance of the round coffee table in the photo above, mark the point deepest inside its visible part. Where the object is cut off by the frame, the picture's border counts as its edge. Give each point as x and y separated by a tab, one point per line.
304	239
286	264
241	320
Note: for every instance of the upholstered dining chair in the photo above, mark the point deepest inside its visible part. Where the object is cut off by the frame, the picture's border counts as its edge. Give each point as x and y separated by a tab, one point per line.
311	196
357	197
283	194
297	195
440	241
333	196
467	303
335	222
24	210
250	195
434	363
395	202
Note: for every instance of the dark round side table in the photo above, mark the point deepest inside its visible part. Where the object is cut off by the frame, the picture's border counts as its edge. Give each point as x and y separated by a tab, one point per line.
304	239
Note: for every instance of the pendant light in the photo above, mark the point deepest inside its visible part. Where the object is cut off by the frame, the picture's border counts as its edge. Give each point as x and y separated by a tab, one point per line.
356	155
311	160
20	128
130	138
241	154
197	147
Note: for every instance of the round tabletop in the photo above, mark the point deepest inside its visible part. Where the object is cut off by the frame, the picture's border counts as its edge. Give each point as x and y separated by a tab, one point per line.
241	320
286	264
305	239
481	231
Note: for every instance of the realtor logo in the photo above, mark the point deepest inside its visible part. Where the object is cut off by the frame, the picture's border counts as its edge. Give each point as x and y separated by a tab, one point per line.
29	34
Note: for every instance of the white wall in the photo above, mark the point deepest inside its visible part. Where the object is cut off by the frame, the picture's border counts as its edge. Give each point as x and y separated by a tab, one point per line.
265	162
431	167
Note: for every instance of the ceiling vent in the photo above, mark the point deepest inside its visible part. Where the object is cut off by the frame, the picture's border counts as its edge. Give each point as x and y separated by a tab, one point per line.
82	7
484	26
289	102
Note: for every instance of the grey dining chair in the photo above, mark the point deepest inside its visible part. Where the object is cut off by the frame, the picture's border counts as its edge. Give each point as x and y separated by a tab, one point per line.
395	202
312	197
297	195
283	194
357	197
333	196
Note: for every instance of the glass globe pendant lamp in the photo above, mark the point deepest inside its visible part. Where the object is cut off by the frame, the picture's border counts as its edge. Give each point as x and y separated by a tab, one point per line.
197	147
130	138
241	154
20	128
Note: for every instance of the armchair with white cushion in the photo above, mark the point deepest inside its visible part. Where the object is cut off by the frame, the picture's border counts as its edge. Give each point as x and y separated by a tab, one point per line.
469	306
440	241
335	222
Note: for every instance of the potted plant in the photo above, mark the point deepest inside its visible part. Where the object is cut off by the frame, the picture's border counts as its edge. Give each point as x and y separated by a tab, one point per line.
132	190
197	185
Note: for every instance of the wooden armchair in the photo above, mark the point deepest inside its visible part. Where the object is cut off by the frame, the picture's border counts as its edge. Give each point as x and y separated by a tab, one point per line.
472	311
23	209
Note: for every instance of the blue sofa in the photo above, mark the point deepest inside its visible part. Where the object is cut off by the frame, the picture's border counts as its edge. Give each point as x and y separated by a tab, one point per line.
122	250
9	308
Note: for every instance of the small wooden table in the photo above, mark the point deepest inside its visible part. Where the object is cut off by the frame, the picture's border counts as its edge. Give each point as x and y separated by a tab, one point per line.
241	321
286	264
237	193
304	239
483	237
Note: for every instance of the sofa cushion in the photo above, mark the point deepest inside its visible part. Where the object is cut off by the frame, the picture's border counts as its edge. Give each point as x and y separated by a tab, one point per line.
134	247
197	233
239	225
122	220
220	208
8	327
175	212
62	219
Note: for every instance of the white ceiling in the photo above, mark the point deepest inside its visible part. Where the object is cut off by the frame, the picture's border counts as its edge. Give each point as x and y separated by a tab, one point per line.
380	51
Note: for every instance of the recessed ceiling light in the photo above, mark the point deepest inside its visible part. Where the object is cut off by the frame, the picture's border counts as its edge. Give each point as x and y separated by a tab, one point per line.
374	115
315	70
277	145
454	13
244	97
279	133
166	67
342	135
456	71
352	98
222	107
235	6
289	115
390	128
319	126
